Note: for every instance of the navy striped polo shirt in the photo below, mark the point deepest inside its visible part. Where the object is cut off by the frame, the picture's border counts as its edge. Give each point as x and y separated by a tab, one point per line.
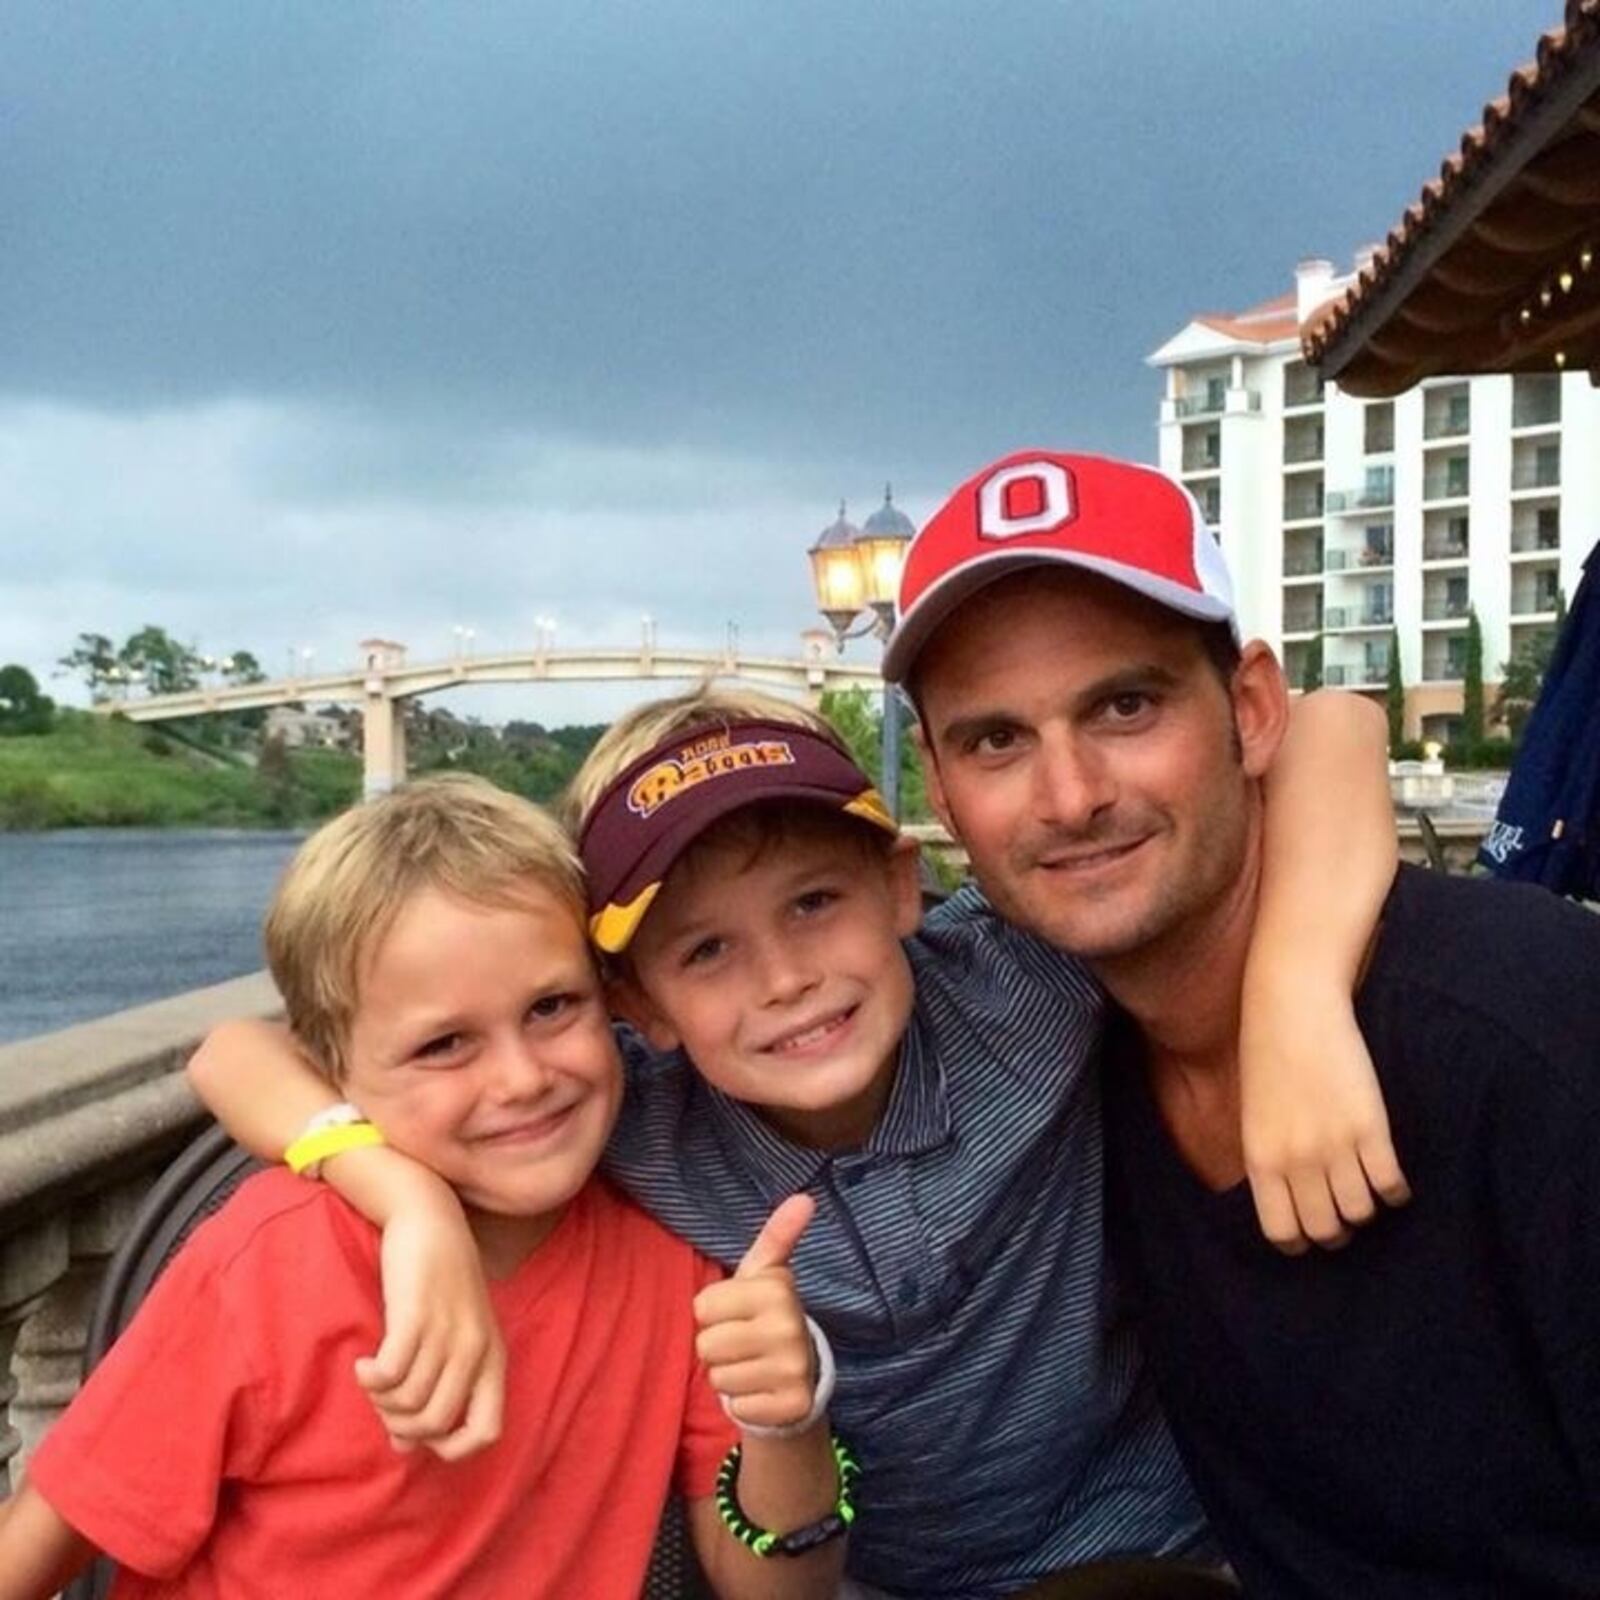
988	1383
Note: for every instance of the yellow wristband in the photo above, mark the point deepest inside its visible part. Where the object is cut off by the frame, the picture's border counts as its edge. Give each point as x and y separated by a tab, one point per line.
312	1149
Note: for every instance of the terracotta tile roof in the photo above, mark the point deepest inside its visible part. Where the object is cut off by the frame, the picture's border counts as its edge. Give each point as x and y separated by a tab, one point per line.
1486	218
1266	323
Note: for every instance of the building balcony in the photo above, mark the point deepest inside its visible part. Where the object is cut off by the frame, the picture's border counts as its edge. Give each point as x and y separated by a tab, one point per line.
1447	669
1187	407
1536	528
1356	675
1535	401
1453	421
1338	618
1375	496
1453	484
1302	504
1445	608
1303	441
1529	605
1307	564
1363	558
1539	473
1302	386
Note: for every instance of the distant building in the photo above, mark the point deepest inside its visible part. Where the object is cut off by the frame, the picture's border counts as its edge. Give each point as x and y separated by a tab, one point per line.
1344	520
332	728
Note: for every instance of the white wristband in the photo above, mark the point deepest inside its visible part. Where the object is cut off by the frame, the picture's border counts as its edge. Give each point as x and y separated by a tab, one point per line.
821	1395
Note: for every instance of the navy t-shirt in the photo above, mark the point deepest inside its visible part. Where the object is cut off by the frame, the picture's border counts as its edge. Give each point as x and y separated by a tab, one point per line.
1417	1416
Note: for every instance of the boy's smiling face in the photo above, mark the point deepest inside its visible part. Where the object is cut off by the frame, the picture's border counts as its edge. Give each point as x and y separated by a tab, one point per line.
776	964
481	1047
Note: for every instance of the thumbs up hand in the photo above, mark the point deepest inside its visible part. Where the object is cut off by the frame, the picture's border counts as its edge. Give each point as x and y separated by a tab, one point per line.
753	1337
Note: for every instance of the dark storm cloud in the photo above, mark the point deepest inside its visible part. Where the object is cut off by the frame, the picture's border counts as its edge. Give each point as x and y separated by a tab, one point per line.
906	232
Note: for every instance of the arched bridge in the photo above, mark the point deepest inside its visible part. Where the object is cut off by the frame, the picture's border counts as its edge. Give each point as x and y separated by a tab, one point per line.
384	678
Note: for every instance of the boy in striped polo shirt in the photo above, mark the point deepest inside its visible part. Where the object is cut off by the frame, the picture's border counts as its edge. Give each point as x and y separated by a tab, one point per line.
796	1030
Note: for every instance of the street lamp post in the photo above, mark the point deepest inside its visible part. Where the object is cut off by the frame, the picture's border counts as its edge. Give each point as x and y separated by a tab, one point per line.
856	573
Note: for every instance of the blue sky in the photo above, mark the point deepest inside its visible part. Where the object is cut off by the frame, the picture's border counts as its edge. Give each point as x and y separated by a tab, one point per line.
323	320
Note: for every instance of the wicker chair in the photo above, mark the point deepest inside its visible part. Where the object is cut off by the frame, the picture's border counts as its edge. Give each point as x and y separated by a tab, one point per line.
195	1186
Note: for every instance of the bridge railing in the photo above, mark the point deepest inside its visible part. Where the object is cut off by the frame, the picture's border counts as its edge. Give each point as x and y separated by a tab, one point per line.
89	1117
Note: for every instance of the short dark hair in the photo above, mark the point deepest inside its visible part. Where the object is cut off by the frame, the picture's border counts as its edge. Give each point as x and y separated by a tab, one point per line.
1221	649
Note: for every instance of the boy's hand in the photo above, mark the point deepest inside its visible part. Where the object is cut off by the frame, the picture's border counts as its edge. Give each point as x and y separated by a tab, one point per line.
1317	1147
753	1335
438	1378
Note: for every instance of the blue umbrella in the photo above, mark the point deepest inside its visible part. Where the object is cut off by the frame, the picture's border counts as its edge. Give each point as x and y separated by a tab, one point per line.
1548	827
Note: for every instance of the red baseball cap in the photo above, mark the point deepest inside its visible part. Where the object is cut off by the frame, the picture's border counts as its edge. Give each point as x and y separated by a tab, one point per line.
1129	523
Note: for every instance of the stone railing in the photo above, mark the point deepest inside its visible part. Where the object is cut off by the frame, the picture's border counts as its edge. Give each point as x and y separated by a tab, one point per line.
88	1119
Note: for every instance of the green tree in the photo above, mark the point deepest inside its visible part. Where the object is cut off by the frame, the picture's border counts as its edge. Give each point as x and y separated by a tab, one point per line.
858	718
167	666
1394	694
22	708
242	667
1522	677
96	658
1472	705
1311	673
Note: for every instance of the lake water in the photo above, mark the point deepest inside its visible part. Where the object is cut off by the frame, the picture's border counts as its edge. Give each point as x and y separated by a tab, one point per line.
95	920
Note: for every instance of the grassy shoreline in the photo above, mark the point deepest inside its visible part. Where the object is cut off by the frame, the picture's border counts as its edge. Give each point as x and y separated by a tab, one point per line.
95	772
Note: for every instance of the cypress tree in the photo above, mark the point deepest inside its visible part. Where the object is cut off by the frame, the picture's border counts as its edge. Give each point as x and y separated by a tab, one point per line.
1472	713
1395	693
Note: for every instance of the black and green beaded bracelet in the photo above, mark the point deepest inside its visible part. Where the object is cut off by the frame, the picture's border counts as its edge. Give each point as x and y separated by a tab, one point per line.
764	1542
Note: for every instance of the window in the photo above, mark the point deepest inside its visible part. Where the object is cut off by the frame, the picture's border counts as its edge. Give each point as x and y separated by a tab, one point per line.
1379	427
1535	399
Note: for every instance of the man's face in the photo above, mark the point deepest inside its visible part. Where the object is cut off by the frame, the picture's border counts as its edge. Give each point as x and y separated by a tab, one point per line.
779	970
481	1047
1086	752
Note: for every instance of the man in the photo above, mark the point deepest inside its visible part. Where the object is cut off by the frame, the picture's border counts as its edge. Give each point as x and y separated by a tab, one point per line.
1418	1416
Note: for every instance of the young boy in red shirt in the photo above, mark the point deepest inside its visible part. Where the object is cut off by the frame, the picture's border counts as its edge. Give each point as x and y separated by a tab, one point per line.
432	952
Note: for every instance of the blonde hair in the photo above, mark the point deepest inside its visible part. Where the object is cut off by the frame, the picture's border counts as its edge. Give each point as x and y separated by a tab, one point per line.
640	730
348	881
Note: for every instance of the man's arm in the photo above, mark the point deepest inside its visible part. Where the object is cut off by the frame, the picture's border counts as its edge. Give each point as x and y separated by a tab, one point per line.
1316	1133
39	1551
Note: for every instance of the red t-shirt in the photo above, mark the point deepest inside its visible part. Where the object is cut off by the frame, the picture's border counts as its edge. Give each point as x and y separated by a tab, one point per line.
223	1448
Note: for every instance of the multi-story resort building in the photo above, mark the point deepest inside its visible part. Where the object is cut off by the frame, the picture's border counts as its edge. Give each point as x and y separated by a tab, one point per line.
1350	524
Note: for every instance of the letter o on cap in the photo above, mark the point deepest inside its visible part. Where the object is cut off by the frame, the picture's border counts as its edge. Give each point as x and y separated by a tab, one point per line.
995	520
